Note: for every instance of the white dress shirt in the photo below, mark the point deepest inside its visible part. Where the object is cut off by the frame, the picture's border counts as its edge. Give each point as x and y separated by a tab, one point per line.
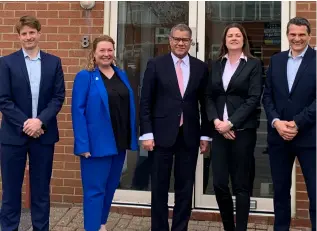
185	66
227	75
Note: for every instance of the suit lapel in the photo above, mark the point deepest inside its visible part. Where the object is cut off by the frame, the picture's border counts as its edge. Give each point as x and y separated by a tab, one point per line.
44	67
192	68
301	68
172	77
236	73
23	68
284	72
96	77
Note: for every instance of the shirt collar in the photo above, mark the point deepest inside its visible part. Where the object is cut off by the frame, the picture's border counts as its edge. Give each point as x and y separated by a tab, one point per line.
242	56
27	56
185	59
300	55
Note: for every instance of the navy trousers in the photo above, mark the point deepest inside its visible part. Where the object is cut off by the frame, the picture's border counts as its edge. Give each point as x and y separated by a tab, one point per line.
100	179
281	160
13	160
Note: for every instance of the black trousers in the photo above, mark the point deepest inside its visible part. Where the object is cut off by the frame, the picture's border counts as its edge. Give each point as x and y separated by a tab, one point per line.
235	159
13	160
184	174
282	158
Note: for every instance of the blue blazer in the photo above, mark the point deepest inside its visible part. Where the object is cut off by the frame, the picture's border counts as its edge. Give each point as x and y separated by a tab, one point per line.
91	116
16	97
299	104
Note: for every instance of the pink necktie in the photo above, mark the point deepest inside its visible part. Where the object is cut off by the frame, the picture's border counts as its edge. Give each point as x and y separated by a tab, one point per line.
179	74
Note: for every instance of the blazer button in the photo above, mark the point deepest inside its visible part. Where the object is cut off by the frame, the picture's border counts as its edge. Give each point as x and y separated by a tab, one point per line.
179	115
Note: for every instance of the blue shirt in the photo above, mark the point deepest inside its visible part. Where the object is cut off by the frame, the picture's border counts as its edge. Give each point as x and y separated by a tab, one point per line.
293	64
34	73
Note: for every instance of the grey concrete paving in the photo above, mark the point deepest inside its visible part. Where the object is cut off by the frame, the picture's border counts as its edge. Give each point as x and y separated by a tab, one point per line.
71	219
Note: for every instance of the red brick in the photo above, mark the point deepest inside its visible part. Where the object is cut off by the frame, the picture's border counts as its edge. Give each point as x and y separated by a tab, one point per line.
5	13
36	6
59	6
57	182
58	165
301	196
72	199
10	37
69	14
68	30
56	198
312	6
58	21
10	21
73	182
64	174
50	29
6	45
63	190
91	30
57	37
65	157
72	166
60	53
79	191
6	29
47	14
19	13
302	7
69	45
14	6
48	45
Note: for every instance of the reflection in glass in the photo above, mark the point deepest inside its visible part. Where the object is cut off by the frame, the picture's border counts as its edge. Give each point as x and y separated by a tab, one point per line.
262	21
143	29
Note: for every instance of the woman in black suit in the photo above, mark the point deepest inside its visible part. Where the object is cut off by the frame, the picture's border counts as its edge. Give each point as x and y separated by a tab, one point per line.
232	96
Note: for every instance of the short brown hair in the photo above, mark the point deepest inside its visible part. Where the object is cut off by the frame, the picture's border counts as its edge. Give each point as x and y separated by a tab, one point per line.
30	21
91	60
245	48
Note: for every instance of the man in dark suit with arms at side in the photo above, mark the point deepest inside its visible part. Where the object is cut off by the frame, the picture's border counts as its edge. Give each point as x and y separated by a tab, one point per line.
290	103
173	88
32	92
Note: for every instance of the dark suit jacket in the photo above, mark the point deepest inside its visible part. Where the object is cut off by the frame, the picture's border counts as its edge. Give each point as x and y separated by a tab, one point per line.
299	104
161	102
243	94
16	98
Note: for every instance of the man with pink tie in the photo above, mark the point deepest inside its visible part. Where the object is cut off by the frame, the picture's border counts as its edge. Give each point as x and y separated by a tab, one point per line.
172	105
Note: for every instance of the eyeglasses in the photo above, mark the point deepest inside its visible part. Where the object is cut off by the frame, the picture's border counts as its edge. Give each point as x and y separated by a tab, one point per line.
178	40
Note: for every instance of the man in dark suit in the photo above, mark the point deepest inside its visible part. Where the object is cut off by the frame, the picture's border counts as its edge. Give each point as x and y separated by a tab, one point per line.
290	103
173	88
32	92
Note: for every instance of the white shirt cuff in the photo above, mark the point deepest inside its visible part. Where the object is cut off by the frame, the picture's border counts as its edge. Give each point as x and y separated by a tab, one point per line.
147	136
272	124
205	138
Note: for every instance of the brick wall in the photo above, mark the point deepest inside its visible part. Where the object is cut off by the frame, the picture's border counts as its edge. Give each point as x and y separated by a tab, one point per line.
307	10
63	25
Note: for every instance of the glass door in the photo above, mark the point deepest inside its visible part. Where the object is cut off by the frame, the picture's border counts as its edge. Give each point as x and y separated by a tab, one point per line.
141	30
262	21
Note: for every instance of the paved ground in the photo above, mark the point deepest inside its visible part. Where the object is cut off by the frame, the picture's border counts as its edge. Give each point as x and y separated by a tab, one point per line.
71	219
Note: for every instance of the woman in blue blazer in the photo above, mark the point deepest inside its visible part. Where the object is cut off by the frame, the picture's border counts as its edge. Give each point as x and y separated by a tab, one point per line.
103	115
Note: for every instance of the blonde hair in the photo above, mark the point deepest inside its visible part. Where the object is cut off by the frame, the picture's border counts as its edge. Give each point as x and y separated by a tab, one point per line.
91	64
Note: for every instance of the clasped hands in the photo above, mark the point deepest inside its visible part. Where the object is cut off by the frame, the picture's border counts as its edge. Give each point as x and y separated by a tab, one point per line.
286	129
33	127
224	128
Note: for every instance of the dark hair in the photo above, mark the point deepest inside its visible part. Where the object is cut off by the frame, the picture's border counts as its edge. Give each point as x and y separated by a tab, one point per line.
181	27
28	20
245	48
299	21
